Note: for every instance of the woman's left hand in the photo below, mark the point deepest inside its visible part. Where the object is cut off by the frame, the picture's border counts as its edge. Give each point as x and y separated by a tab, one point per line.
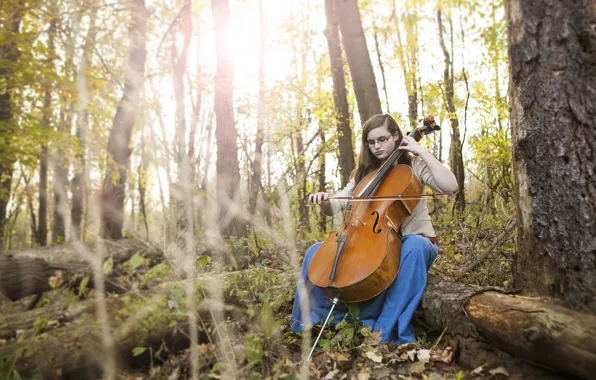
410	145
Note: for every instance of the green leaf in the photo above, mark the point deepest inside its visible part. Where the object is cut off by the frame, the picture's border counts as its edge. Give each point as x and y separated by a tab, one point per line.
139	350
203	261
137	261
325	344
108	266
354	310
39	324
83	286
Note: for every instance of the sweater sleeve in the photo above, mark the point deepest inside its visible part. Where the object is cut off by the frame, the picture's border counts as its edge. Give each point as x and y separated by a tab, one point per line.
338	205
424	174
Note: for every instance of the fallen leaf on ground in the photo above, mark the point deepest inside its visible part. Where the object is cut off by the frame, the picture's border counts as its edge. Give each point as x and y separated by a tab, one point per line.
373	339
423	355
375	357
499	371
417	368
445	355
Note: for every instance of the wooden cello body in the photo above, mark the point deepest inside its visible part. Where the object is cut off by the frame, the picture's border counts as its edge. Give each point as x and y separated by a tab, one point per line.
366	250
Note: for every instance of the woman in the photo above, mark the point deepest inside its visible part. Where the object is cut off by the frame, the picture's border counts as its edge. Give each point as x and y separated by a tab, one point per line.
392	310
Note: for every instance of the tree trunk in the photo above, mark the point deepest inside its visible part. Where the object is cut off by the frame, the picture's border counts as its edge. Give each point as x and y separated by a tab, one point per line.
344	131
114	185
9	53
227	167
60	181
256	182
42	230
552	55
322	181
407	54
455	149
79	180
363	76
179	62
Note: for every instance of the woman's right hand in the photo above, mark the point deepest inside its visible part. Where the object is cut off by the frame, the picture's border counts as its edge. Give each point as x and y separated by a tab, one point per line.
319	198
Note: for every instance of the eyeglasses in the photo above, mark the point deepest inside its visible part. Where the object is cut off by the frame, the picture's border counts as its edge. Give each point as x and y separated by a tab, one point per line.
381	140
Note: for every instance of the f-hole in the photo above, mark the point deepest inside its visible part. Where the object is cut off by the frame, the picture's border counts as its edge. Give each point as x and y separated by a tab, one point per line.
377	216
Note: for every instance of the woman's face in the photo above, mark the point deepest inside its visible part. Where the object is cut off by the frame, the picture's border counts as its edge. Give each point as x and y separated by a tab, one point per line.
381	142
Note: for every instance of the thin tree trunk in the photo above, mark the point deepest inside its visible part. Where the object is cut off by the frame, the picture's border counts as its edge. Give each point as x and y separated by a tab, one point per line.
60	181
455	150
406	53
552	91
42	231
363	76
380	61
344	131
228	169
10	54
322	181
256	180
79	180
113	192
180	63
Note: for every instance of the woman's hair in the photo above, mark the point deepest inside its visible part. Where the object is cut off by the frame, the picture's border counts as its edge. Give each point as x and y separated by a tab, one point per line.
367	162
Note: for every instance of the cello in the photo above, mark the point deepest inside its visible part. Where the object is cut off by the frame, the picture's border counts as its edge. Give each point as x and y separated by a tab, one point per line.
361	259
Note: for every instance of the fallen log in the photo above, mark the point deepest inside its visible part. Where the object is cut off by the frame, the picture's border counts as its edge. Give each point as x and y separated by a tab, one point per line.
147	318
26	272
487	327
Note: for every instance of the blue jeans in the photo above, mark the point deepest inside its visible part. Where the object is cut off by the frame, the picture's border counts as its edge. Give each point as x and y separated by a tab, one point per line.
391	311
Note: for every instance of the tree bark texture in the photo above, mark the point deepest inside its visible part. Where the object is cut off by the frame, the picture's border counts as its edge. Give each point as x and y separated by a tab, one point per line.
363	76
114	185
9	53
340	98
226	135
552	63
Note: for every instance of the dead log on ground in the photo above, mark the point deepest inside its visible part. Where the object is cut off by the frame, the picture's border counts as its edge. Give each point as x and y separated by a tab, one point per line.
143	318
489	326
26	272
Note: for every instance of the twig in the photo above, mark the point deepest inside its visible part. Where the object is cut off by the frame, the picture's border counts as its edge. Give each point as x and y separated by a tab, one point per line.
497	243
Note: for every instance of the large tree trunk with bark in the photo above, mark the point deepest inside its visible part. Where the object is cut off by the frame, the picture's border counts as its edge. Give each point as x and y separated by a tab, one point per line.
9	53
552	55
363	76
114	185
475	319
340	98
228	169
